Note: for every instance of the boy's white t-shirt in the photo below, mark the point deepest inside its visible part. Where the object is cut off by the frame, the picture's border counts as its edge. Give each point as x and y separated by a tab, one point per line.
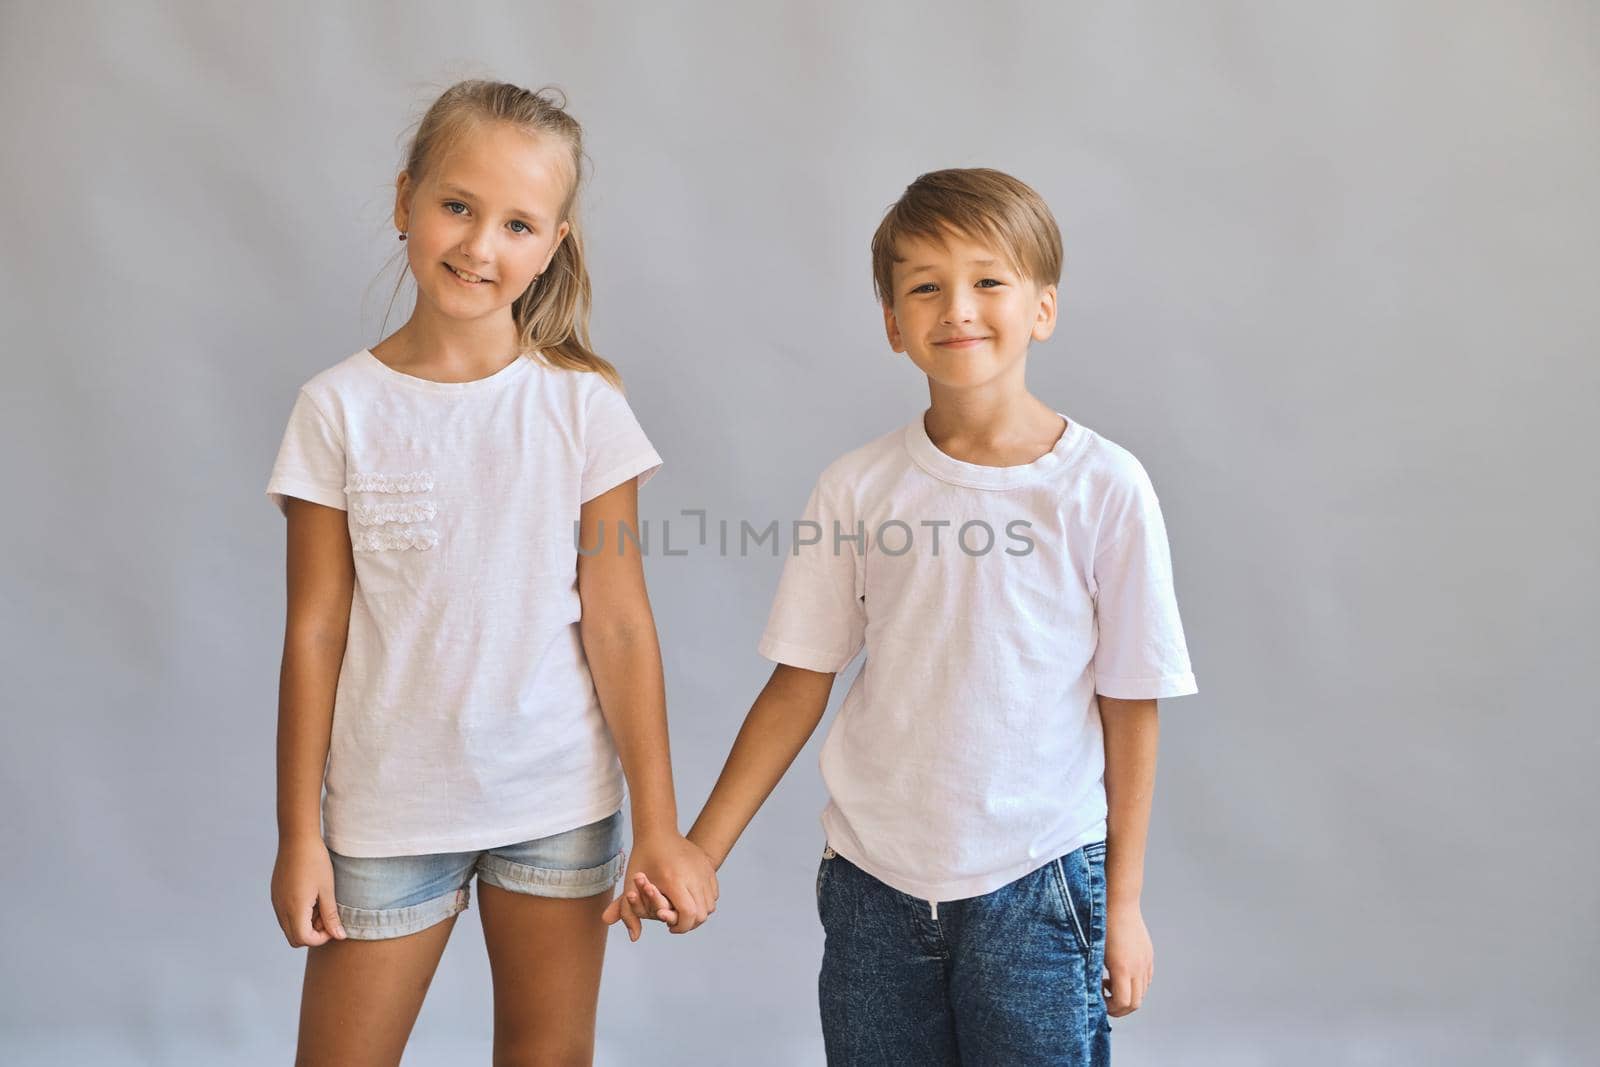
465	715
969	751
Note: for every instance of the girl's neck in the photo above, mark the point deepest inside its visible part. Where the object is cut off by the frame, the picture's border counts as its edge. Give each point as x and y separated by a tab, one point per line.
449	350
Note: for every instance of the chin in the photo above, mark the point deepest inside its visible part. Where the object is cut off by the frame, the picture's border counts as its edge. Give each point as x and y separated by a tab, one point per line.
963	377
454	306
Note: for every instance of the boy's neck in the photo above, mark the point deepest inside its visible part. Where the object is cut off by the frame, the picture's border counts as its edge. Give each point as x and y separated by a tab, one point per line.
991	427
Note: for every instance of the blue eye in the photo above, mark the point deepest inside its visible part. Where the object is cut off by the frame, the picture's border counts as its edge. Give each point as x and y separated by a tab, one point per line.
451	205
925	287
525	227
990	283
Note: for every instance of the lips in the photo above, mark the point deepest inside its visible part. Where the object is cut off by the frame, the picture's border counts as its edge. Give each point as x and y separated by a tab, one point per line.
959	342
466	275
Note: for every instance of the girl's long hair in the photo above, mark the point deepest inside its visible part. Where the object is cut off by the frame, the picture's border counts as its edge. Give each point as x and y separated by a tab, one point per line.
552	316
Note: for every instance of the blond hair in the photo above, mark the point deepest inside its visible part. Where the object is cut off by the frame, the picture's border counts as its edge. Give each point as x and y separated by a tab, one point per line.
552	314
977	203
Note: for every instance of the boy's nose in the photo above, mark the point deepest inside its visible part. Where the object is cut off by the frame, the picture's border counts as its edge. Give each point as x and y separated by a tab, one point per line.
957	311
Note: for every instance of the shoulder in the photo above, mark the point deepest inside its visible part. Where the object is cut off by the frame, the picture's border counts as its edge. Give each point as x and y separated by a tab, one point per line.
1104	468
346	380
583	392
846	476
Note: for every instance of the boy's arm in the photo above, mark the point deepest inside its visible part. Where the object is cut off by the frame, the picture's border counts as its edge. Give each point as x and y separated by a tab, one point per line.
1131	729
780	722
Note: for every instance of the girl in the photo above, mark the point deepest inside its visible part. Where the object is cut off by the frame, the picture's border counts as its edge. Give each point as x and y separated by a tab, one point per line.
457	676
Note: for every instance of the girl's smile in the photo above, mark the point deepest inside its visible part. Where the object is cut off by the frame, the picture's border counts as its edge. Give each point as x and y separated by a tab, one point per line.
466	277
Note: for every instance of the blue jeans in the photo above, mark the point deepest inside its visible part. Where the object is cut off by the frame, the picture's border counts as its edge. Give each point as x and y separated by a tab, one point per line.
1011	977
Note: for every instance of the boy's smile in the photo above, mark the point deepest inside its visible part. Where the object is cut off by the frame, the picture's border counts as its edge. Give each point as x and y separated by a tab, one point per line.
963	313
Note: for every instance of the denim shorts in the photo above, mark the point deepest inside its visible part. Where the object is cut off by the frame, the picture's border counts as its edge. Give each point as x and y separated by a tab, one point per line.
391	896
1010	977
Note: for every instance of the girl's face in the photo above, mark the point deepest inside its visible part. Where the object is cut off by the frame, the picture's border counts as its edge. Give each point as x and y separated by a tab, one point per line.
485	221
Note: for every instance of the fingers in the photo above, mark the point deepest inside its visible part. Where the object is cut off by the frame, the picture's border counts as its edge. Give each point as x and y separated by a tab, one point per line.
631	920
613	913
690	913
328	913
1121	1001
302	926
650	901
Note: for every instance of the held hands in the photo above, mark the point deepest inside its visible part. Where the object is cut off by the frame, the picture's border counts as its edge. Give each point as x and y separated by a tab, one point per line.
1130	959
687	892
302	893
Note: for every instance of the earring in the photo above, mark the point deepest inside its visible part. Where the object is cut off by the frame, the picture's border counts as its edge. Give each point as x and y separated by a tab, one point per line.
402	235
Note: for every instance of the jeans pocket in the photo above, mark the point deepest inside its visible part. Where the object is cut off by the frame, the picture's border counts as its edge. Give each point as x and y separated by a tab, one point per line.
1076	890
822	874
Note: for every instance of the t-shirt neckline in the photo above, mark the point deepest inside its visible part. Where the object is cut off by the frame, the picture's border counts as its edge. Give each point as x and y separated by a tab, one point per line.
972	475
510	371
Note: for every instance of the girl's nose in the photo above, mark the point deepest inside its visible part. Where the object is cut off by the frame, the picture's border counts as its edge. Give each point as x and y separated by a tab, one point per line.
476	246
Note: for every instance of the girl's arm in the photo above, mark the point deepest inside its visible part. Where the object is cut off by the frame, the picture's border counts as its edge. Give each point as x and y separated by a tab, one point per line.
619	639
321	580
1131	729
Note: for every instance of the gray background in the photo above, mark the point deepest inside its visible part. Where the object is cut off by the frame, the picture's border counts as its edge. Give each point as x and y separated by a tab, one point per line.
1330	274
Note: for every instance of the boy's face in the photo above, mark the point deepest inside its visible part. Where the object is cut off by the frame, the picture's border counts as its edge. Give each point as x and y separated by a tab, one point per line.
486	221
963	314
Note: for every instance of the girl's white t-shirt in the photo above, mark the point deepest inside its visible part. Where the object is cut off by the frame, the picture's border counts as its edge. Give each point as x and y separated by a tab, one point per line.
969	750
465	715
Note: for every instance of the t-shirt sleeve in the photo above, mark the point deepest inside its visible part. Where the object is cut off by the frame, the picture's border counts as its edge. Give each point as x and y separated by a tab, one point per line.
1141	653
615	447
818	620
310	461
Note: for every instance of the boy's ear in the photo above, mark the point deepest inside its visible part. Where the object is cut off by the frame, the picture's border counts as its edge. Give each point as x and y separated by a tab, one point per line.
402	202
892	329
1044	322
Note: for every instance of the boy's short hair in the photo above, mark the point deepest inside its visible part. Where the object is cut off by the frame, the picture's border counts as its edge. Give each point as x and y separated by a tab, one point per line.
980	204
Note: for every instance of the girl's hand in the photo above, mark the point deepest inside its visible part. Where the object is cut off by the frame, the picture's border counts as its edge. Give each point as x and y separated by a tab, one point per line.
684	874
302	893
1130	959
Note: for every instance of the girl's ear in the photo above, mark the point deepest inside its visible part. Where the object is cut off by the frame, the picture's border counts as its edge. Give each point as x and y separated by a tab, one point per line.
561	235
402	202
1044	321
892	329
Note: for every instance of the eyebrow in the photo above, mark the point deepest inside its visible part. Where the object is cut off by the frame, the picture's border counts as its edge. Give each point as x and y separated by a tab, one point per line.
459	191
971	263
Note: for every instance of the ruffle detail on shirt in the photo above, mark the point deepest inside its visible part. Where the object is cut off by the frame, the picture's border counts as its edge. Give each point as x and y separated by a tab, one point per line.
415	482
393	511
420	538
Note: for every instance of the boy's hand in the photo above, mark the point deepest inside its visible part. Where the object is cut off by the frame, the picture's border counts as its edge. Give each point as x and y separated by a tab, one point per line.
647	900
684	875
302	893
1130	959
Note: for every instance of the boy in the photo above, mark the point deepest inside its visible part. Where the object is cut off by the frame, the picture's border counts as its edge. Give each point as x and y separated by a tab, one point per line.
990	772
